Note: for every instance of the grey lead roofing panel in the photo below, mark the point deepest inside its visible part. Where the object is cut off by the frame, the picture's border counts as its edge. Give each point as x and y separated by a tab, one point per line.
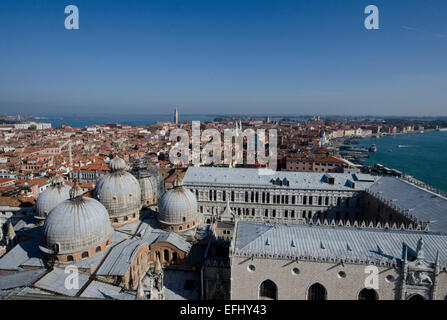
421	203
175	240
350	244
151	236
20	278
97	289
264	177
120	257
174	285
26	251
55	281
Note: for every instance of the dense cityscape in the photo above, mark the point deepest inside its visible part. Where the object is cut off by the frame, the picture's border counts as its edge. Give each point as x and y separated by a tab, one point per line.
108	200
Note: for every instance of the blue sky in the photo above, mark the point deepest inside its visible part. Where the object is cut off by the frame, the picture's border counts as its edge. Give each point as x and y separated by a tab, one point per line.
224	56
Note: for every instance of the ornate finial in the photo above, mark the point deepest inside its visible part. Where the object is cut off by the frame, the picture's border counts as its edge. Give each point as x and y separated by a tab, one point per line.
177	181
405	253
10	234
158	268
141	295
420	250
76	191
57	180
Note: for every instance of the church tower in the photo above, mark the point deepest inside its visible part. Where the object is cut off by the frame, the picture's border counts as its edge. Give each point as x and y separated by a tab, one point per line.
176	115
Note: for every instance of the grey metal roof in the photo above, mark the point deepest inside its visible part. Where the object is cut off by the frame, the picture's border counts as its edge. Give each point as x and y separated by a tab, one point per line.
55	281
120	257
8	293
20	255
174	285
146	229
97	289
265	178
349	244
170	237
421	203
20	278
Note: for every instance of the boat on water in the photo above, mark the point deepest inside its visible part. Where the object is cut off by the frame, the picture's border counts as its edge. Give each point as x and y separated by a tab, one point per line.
373	148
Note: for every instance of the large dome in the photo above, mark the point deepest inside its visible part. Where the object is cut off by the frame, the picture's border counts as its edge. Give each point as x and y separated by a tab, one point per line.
119	192
77	224
178	206
56	193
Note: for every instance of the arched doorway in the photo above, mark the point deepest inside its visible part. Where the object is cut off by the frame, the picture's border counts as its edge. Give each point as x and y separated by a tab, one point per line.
416	297
368	294
268	290
316	292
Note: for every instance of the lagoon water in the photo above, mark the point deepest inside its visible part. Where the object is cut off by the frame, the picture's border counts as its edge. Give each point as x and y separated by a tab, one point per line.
421	155
134	120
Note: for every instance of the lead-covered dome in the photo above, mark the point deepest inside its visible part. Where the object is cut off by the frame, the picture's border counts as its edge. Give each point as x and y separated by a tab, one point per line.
77	225
56	193
178	206
149	187
120	192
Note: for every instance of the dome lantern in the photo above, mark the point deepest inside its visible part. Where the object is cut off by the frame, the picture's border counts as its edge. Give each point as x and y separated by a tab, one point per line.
117	164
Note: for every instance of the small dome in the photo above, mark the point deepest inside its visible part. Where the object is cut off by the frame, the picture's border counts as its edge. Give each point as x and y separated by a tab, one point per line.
117	164
56	193
119	191
178	206
75	225
149	188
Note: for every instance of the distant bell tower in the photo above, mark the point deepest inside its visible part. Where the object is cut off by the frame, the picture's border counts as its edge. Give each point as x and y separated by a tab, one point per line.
176	115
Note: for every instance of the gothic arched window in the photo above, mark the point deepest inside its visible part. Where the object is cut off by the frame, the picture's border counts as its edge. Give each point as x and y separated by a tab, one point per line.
166	255
316	292
268	290
416	297
368	294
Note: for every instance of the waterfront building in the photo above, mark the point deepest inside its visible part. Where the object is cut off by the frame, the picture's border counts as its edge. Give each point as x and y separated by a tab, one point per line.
277	196
299	262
